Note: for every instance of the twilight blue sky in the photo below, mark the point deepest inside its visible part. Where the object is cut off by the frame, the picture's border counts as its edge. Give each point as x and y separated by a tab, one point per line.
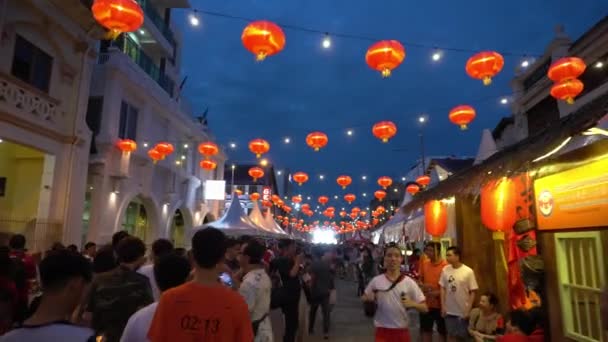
306	88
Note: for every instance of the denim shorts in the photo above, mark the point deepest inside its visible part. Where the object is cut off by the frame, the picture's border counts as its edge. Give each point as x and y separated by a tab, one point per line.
457	326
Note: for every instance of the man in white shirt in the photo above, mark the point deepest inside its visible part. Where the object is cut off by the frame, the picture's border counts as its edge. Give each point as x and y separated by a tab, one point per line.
391	318
458	289
170	270
160	248
64	276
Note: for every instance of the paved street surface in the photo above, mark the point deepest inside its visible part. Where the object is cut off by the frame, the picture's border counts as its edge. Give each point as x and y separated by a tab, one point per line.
348	322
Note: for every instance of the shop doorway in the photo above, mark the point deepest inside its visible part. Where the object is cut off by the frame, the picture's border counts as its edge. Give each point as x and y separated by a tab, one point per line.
26	182
135	220
177	230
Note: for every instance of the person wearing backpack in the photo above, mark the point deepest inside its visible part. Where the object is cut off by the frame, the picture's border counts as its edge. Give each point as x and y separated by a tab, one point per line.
388	297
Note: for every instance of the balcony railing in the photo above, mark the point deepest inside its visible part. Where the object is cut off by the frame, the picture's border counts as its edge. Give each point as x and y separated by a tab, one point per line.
158	21
131	49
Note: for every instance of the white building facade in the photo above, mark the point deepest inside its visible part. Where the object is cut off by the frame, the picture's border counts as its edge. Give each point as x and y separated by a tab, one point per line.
135	95
48	50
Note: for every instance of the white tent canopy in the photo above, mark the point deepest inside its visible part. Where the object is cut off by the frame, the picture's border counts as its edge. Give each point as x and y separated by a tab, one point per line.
234	222
270	223
257	218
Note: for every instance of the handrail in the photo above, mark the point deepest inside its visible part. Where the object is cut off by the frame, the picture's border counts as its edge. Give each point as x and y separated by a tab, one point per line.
158	21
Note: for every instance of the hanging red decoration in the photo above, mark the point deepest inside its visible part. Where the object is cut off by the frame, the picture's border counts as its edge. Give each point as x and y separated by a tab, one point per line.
485	65
385	182
385	56
296	199
317	140
265	204
238	192
164	148
363	213
356	210
342	213
498	205
462	115
567	90
300	178
256	173
566	68
350	198
423	180
259	147
208	149
118	16
384	130
380	194
354	215
380	209
155	155
207	164
412	189
323	200
126	145
435	218
254	196
344	181
263	39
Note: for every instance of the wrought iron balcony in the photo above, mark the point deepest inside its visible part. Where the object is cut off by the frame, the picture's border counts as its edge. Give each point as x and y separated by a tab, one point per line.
135	53
158	21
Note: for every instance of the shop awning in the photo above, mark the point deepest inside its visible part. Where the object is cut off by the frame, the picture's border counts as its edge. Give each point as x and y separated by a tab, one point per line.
517	157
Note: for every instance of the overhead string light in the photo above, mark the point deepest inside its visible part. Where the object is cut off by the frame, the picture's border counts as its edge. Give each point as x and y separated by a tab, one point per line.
326	42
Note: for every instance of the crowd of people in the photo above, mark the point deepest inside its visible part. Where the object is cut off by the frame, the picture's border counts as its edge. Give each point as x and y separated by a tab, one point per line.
222	289
443	291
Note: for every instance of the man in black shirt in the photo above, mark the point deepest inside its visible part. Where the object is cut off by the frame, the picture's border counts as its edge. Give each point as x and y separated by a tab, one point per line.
288	266
233	250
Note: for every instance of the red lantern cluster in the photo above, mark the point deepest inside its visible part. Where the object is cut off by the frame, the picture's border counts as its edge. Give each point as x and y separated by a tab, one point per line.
263	38
462	115
485	65
126	145
118	16
565	72
384	130
300	178
385	56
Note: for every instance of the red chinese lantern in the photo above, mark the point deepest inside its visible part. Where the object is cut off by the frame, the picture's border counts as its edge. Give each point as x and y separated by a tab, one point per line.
323	200
342	213
485	65
412	189
385	181
354	215
263	38
331	209
423	180
275	198
384	56
566	68
259	147
567	90
155	155
380	209
207	164
164	148
317	140
435	218
118	16
256	173
238	192
254	196
266	204
356	210
363	213
296	199
287	209
375	222
380	194
384	130
462	115
344	181
126	145
350	198
498	205
208	149
300	177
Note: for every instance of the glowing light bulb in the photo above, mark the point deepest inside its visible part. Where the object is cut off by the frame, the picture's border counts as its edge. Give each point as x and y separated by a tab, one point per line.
525	63
421	119
349	132
436	56
599	65
321	177
504	100
287	140
326	42
232	145
194	21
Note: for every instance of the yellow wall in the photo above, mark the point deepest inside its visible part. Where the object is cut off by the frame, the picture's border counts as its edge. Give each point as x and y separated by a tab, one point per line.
22	168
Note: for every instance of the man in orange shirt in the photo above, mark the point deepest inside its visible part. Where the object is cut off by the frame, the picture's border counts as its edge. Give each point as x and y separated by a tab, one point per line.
203	310
430	272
